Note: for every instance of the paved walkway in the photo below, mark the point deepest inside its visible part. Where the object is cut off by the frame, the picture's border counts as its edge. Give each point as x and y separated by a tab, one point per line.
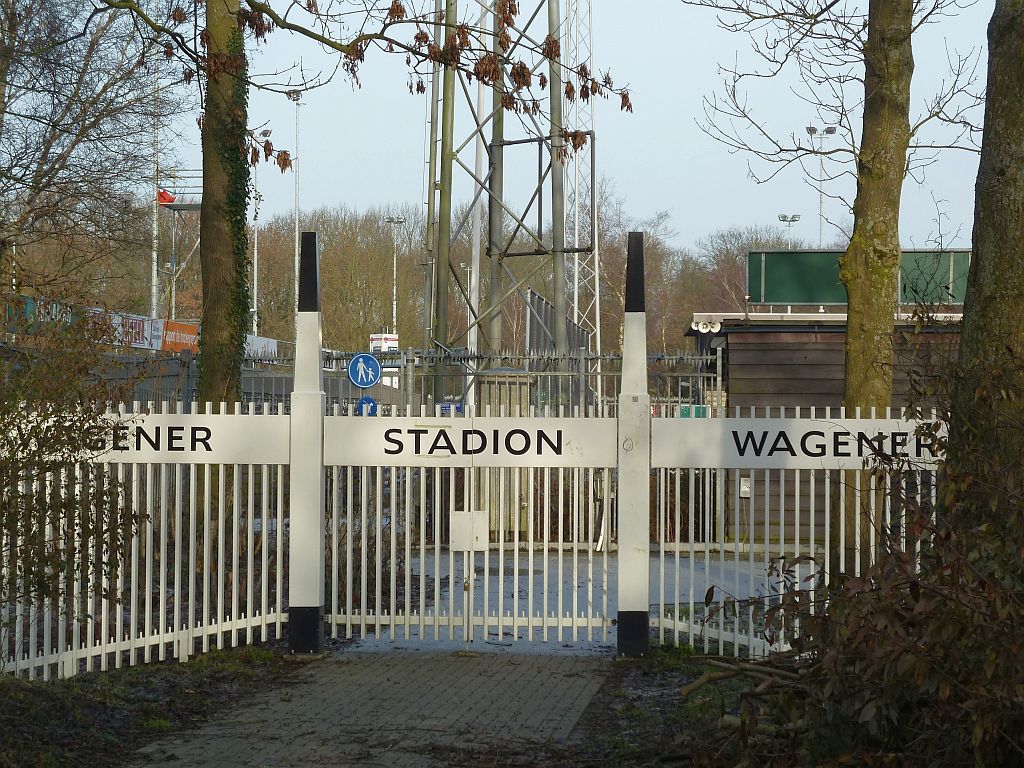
400	709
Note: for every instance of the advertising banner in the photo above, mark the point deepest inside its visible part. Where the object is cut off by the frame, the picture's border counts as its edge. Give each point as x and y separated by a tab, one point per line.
137	331
179	337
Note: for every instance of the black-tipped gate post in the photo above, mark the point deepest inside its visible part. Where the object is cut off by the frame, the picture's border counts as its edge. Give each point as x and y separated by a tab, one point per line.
306	493
634	464
309	274
635	272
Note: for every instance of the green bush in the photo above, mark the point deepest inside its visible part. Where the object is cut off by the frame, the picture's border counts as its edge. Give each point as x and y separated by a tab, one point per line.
920	660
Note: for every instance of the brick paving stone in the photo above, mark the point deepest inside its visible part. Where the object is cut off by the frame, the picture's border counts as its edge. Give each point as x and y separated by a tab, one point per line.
394	709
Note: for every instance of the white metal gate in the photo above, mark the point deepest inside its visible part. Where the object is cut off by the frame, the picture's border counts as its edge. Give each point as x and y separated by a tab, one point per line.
496	529
206	566
466	540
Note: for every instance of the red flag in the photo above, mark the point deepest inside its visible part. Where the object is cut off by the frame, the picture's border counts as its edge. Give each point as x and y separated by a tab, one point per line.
163	197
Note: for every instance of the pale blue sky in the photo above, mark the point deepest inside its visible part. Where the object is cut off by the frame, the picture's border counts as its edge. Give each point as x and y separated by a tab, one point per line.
365	146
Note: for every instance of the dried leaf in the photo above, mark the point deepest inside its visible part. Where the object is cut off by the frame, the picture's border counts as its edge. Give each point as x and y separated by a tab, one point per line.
396	12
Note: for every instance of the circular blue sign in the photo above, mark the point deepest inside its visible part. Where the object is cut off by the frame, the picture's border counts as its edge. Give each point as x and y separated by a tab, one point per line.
366	406
364	370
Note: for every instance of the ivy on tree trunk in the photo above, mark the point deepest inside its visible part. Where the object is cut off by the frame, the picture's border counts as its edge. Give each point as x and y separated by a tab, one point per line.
223	248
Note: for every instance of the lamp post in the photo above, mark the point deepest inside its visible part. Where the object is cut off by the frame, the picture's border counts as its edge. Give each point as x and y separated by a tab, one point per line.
154	279
821	133
788	221
394	221
295	96
255	254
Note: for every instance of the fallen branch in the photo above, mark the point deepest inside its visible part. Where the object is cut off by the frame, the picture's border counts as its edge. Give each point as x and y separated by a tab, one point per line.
757	669
707	677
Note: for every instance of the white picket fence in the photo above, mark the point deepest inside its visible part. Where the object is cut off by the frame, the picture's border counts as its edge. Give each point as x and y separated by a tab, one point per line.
743	500
731	498
203	568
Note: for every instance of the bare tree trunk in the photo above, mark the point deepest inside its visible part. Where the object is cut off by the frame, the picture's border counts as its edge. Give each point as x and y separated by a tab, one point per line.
988	407
995	286
870	266
223	245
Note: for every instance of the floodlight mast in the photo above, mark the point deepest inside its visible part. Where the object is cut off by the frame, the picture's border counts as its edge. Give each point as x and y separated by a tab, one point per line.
821	133
789	221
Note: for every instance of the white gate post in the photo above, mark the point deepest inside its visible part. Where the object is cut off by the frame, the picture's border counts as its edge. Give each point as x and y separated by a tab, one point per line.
634	448
306	492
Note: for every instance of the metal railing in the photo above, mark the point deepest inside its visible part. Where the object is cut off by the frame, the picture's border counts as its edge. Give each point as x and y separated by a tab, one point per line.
681	385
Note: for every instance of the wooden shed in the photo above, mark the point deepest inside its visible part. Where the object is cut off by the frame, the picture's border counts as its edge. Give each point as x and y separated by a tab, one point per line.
774	360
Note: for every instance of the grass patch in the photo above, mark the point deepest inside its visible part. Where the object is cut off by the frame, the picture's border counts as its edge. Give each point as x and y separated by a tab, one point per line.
101	718
656	726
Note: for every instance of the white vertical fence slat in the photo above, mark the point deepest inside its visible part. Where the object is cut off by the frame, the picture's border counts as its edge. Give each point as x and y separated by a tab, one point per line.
161	616
279	550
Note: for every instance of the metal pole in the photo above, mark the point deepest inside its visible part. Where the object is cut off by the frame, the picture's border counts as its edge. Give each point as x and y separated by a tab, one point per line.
789	220
444	217
154	277
478	212
430	232
255	258
174	265
813	131
597	275
557	189
294	96
495	212
821	197
394	282
573	35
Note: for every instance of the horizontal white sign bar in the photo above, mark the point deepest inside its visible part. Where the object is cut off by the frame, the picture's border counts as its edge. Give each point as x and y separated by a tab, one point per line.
192	439
785	443
511	442
469	442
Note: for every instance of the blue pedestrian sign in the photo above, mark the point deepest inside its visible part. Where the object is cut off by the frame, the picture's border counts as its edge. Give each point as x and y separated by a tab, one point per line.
366	406
364	370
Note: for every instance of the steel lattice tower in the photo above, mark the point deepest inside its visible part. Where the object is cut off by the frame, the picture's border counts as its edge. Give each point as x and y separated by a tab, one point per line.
584	293
552	220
